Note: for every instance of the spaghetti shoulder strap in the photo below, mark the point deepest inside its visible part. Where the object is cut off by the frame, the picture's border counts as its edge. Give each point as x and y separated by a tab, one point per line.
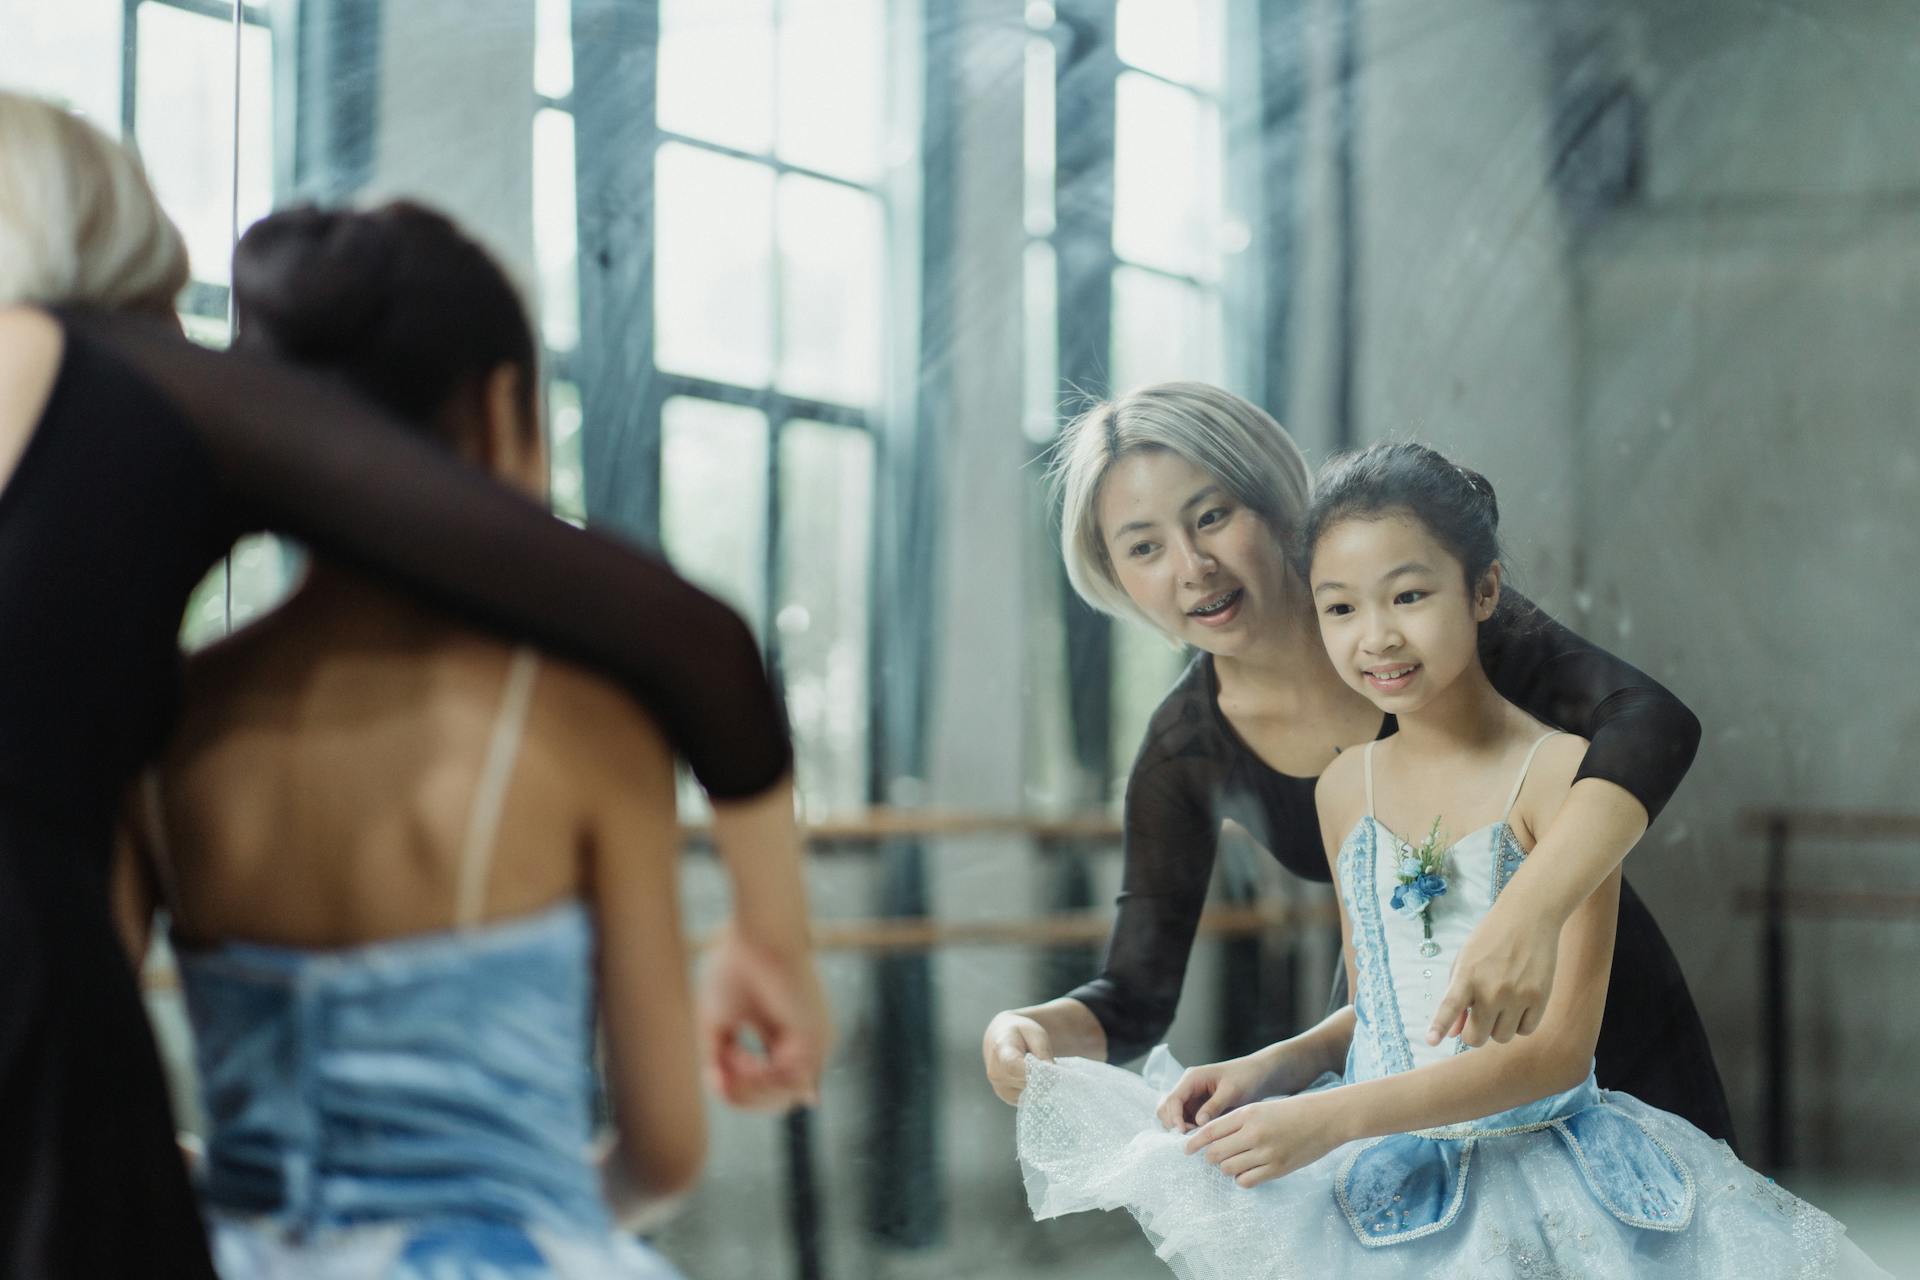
490	793
1527	764
1367	763
154	819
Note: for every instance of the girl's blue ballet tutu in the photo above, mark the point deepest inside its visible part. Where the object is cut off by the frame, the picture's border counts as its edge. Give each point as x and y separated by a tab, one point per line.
1590	1183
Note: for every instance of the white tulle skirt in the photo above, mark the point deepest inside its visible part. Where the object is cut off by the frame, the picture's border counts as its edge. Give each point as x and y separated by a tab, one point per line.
1089	1139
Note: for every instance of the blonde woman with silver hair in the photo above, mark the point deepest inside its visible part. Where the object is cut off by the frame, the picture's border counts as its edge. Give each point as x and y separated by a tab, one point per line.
129	460
1181	509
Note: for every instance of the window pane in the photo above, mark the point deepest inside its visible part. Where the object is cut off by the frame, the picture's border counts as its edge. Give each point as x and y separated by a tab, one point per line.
713	265
716	71
566	479
69	52
183	117
1166	177
1145	665
832	239
713	499
553	47
1179	39
264	571
1163	329
1039	142
826	513
556	238
833	81
1042	308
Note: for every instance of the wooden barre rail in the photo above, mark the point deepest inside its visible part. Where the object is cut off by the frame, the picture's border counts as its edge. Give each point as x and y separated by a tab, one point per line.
1832	824
1067	928
1834	904
885	823
1776	904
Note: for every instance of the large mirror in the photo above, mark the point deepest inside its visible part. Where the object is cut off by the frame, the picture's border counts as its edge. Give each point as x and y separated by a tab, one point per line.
819	281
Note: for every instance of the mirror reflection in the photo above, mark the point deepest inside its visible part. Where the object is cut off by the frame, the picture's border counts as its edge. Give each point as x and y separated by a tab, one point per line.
945	343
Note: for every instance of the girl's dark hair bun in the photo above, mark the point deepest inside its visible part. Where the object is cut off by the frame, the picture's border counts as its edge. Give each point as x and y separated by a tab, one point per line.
397	301
1484	487
1456	504
309	282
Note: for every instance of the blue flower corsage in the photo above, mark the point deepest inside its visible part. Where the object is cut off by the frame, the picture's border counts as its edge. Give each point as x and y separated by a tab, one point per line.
1422	876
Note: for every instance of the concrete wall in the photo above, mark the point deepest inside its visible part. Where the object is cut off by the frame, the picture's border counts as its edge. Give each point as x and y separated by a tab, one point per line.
1748	428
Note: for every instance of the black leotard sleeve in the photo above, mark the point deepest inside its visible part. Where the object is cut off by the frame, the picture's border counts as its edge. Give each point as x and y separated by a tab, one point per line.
1643	738
299	455
1172	830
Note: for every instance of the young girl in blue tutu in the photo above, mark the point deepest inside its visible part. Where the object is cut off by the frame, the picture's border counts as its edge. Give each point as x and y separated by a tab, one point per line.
1360	1146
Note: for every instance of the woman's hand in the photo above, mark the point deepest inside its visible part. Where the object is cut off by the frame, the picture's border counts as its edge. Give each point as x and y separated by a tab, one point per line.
1501	979
1207	1092
775	994
1009	1039
1267	1140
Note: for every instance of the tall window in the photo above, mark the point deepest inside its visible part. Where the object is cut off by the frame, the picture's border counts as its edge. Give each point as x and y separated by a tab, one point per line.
1163	237
161	73
772	227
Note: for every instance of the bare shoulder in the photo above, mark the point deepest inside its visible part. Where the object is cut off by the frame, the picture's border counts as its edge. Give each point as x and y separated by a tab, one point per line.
31	344
24	328
1559	761
1340	793
596	726
1548	781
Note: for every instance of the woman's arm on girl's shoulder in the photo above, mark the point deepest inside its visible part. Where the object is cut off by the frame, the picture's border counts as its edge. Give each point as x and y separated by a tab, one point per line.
299	455
1642	737
630	861
1641	740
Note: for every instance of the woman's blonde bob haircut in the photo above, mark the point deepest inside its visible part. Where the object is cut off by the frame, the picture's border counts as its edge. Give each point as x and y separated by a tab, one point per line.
1250	454
79	225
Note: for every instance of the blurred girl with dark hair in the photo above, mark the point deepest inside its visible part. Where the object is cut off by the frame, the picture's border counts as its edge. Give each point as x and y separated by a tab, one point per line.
401	859
129	461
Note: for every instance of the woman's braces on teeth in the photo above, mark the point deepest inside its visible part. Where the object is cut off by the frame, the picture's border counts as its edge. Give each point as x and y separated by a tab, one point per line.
1217	604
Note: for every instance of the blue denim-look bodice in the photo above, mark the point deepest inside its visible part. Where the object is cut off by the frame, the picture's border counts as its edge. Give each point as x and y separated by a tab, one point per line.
437	1077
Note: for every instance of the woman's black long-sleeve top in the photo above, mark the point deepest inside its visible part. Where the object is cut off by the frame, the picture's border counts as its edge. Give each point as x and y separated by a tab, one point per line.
1193	771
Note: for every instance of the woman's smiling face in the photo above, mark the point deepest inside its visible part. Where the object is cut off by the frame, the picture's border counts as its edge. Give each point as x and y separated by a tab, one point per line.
1395	612
1197	563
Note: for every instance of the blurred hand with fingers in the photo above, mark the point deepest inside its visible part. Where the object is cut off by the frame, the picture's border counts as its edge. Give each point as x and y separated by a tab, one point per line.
746	987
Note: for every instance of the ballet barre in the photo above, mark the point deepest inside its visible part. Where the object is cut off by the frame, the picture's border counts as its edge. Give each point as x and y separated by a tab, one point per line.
1779	827
882	934
871	826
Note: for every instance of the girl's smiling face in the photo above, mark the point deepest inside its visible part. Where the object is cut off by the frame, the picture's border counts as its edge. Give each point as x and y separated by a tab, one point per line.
1200	566
1396	614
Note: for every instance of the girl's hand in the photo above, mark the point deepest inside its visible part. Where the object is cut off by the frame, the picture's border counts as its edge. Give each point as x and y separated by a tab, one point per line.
1501	980
1270	1139
1010	1038
748	988
1207	1092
